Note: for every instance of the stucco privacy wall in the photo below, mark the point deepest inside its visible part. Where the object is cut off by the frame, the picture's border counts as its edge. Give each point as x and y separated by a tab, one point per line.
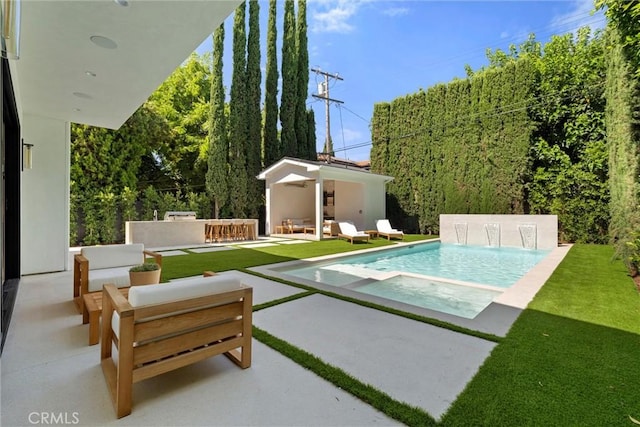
44	233
503	230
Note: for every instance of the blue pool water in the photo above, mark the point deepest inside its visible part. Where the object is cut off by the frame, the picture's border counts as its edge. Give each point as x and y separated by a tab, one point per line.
392	274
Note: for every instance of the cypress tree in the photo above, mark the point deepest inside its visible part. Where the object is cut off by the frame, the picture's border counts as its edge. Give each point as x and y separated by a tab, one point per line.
254	115
301	124
311	134
217	161
270	143
288	101
238	118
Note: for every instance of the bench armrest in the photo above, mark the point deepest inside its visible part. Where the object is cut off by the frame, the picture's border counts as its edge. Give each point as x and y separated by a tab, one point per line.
80	275
155	255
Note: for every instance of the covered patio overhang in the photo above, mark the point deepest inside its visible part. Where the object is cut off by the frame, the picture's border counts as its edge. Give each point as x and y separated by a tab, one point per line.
311	193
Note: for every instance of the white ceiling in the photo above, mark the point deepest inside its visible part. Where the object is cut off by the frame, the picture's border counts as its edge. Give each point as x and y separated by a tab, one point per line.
153	37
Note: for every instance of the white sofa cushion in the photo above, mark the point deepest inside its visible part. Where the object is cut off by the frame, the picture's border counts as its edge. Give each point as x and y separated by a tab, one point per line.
175	291
181	289
109	256
119	276
384	226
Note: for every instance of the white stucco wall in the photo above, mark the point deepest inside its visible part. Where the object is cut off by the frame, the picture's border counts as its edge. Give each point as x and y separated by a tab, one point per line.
45	196
349	200
290	201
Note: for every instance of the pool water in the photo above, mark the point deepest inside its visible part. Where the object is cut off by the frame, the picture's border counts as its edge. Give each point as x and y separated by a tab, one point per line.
397	274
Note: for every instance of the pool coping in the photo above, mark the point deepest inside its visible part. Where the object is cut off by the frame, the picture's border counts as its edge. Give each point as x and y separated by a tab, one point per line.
496	318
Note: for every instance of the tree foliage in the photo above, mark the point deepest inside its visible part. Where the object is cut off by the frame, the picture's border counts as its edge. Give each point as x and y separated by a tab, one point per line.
302	57
624	16
254	113
238	117
217	162
183	100
289	99
270	144
523	135
623	138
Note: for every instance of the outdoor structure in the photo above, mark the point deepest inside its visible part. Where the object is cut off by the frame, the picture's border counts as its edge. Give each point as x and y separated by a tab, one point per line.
309	193
519	231
87	62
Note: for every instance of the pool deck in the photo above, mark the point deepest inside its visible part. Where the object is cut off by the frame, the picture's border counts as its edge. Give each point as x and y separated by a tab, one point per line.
47	366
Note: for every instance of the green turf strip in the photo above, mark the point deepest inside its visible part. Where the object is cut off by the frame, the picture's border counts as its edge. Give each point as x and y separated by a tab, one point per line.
403	412
570	359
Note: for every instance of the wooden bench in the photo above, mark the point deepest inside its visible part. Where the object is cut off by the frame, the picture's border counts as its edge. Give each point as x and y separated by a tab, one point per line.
163	327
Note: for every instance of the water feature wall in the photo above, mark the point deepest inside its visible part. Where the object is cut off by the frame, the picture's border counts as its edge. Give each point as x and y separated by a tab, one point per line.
519	231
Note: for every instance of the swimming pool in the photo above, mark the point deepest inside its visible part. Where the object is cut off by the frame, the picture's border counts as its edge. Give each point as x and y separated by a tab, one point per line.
454	279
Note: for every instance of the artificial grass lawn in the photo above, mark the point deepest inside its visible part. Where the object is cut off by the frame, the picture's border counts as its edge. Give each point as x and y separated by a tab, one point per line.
570	359
193	264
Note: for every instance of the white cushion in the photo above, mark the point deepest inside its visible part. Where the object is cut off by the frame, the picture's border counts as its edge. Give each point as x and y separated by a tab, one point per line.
118	276
384	226
113	255
180	290
350	229
175	291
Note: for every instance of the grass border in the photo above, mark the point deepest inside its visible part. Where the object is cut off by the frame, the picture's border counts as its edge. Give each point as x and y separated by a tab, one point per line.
400	411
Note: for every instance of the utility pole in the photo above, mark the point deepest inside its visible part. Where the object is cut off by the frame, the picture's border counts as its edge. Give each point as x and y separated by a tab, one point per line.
323	93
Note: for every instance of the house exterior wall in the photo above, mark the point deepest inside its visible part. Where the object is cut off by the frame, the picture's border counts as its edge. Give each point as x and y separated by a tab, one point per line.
349	199
45	196
374	204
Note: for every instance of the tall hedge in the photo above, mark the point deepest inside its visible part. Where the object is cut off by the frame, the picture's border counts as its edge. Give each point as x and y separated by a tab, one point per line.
623	137
452	149
523	135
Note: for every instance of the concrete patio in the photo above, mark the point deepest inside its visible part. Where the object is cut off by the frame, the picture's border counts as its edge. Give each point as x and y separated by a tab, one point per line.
48	369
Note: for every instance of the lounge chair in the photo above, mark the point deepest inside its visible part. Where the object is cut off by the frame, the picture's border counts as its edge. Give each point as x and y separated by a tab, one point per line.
349	231
385	229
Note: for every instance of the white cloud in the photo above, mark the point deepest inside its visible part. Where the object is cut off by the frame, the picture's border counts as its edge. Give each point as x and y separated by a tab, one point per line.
504	35
581	15
396	11
333	16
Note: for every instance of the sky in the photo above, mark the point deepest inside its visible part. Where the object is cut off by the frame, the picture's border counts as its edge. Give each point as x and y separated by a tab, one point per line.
387	49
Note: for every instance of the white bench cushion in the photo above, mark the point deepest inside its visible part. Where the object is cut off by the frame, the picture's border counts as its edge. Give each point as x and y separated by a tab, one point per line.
118	276
109	256
175	291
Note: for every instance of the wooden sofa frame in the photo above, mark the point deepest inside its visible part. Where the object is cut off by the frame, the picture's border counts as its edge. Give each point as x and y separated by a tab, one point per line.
171	335
81	276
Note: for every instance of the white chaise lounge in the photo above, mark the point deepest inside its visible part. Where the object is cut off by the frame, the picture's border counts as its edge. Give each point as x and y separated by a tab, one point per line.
349	232
385	229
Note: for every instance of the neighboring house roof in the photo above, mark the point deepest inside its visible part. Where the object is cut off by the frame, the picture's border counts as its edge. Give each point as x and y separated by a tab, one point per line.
313	166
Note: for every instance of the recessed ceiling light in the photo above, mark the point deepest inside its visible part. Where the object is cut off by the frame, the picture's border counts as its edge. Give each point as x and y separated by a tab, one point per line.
90	73
82	95
124	3
103	42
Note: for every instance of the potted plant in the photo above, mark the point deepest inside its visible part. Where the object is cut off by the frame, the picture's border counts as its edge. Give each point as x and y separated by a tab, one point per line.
144	274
